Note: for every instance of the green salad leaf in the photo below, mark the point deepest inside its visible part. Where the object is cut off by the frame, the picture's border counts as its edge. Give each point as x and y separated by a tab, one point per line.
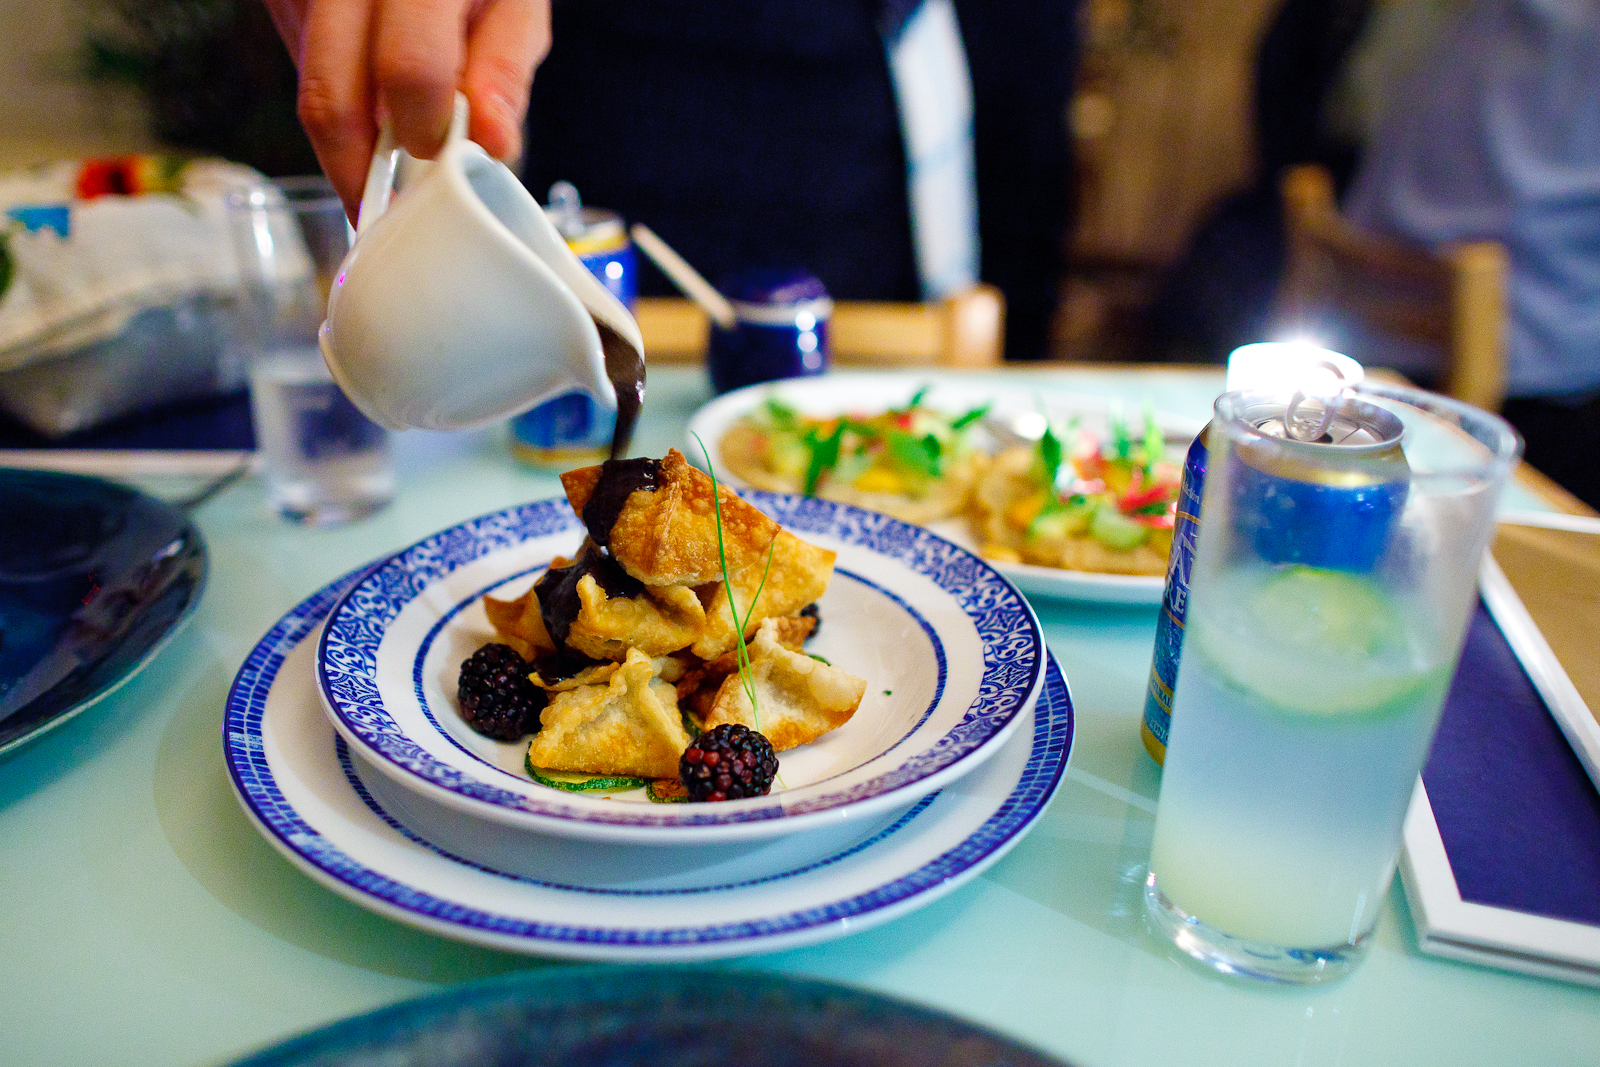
1050	454
780	415
1121	437
1154	441
920	454
7	264
962	421
824	455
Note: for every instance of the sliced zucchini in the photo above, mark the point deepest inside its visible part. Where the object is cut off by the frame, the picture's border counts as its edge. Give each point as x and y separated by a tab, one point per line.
573	782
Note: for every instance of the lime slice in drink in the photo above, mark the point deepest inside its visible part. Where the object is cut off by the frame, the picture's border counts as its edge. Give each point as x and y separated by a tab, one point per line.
1309	640
1345	615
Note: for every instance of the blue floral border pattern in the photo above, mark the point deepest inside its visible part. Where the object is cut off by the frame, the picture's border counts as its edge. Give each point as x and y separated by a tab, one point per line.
254	782
1013	651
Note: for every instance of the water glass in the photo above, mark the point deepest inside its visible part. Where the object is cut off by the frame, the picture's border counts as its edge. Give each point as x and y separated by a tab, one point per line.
1331	587
325	462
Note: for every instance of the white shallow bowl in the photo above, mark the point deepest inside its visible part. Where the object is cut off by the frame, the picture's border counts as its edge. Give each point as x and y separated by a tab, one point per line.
299	783
870	393
951	652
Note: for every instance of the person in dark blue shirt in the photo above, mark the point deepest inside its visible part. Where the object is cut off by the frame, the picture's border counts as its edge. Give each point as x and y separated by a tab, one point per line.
747	134
1498	138
756	134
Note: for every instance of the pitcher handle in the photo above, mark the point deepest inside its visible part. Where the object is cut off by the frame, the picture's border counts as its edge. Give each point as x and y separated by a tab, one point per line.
379	189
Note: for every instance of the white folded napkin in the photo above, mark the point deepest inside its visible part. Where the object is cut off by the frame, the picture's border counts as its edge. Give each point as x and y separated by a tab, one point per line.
121	255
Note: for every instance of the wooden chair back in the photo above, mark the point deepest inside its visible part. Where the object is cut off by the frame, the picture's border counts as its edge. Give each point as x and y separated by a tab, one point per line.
964	330
1453	299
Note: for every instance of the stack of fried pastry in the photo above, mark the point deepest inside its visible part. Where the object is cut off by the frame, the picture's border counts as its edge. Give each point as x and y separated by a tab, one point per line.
636	643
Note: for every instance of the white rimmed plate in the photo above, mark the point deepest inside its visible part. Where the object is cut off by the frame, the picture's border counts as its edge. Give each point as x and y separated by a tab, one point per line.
833	394
951	652
295	779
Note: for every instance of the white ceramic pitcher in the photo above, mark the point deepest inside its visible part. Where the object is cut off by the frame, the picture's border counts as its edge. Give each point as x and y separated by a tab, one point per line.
459	302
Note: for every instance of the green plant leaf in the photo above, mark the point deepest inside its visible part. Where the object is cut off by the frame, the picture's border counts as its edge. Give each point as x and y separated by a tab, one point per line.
1121	438
746	676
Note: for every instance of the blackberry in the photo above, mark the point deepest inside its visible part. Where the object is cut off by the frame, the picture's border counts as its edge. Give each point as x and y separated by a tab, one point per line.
813	610
728	762
496	697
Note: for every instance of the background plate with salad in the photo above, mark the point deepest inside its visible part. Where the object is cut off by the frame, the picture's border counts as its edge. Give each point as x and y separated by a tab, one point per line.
923	447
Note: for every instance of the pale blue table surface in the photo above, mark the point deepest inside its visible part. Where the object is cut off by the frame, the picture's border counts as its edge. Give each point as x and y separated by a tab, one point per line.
144	921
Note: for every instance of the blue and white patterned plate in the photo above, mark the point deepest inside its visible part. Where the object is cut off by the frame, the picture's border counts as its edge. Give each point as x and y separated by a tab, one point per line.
951	652
297	782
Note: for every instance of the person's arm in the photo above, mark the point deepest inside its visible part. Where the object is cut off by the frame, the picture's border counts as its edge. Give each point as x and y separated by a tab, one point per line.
406	59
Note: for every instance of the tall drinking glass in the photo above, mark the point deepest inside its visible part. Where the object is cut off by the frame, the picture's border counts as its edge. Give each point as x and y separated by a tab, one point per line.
1333	578
325	462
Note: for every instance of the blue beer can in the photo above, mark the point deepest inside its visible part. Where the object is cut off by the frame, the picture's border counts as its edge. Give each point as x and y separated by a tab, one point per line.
1330	500
574	428
1174	601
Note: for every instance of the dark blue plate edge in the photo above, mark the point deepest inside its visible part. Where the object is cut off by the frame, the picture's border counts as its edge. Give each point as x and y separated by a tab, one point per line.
610	991
194	553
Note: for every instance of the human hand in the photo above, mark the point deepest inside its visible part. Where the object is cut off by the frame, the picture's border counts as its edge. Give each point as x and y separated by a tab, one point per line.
405	59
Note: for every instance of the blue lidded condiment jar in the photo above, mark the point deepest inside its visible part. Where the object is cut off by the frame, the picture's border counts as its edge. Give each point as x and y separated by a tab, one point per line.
781	329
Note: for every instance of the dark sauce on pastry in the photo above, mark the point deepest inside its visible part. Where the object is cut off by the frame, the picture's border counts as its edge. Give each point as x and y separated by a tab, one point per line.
625	368
559	604
619	479
557	590
559	666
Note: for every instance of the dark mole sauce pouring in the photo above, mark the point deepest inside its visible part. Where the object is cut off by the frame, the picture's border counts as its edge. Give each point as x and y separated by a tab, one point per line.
557	591
625	368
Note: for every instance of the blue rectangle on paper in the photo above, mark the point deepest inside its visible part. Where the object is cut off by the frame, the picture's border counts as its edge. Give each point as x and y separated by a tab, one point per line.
1518	815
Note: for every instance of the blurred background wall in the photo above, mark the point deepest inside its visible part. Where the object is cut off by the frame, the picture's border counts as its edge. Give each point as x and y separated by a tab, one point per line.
1162	123
49	109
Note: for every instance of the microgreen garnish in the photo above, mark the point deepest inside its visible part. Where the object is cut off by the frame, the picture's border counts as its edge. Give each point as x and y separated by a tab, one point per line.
916	397
741	651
